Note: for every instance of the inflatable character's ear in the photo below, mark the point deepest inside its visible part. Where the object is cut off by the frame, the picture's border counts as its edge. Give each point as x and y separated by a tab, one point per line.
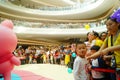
7	23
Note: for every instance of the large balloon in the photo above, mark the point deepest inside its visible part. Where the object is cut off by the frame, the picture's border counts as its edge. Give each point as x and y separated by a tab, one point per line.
8	43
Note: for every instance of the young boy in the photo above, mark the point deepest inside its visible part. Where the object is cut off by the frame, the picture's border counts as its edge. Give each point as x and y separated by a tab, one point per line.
99	63
80	63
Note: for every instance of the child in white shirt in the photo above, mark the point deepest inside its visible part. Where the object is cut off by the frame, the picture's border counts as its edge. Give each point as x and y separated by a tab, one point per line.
80	63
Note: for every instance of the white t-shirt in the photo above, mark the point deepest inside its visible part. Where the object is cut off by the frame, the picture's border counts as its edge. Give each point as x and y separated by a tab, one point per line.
96	74
79	69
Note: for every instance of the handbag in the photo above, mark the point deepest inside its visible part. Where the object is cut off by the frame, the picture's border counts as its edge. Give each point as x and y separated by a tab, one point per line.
113	62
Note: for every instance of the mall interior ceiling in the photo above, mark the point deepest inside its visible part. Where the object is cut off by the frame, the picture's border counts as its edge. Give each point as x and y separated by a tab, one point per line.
55	12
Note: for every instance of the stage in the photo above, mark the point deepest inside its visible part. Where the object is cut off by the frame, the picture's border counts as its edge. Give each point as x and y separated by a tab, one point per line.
41	72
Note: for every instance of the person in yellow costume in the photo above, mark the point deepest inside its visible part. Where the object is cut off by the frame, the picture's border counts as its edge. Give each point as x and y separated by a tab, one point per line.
112	42
97	41
103	35
67	59
67	55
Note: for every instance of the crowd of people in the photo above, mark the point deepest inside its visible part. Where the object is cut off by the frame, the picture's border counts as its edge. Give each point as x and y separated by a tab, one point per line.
61	55
96	52
96	55
100	59
40	54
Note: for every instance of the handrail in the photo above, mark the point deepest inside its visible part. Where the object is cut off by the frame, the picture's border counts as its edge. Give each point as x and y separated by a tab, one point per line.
56	26
32	42
54	32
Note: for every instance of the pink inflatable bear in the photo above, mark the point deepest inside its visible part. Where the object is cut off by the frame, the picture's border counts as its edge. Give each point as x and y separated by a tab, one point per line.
8	43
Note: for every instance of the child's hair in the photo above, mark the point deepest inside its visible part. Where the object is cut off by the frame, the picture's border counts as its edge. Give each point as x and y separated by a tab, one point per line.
79	42
95	47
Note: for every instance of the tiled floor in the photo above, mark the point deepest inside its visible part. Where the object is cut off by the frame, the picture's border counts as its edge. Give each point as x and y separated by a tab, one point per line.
52	71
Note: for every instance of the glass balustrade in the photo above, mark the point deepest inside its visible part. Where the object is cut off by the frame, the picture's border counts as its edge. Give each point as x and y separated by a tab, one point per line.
27	24
46	8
